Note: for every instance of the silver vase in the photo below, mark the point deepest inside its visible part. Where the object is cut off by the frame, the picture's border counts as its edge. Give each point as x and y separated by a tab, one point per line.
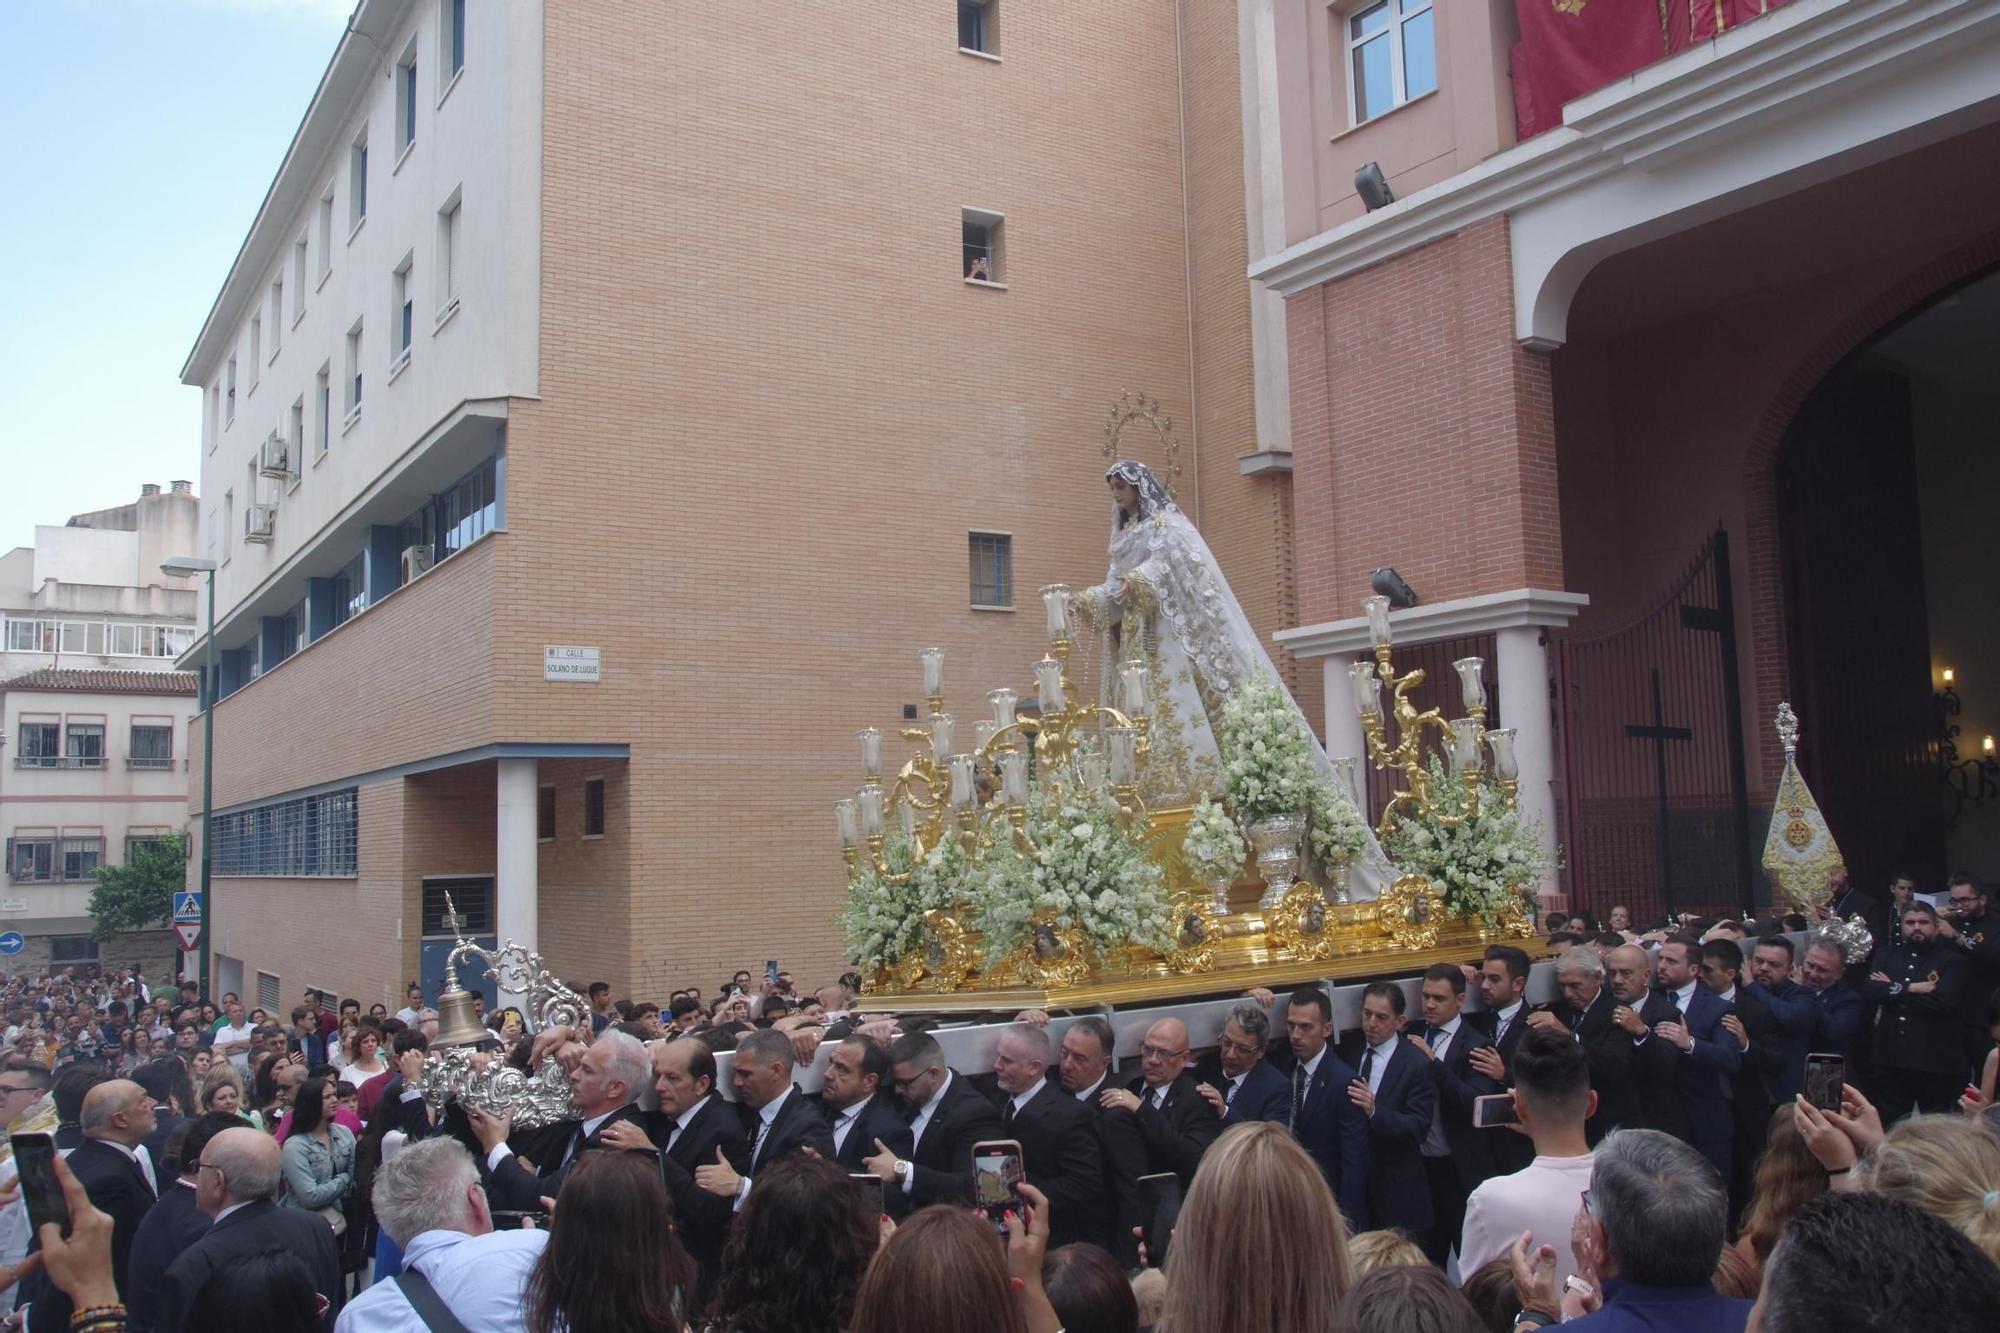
1218	890
1336	873
1275	843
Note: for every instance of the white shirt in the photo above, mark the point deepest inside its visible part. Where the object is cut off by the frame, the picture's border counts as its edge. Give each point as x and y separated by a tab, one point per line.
230	1209
1379	1065
1503	1020
481	1279
682	1121
767	1114
139	1158
1685	996
237	1032
410	1016
922	1120
1091	1092
843	1121
1022	1099
501	1152
1442	1041
1542	1197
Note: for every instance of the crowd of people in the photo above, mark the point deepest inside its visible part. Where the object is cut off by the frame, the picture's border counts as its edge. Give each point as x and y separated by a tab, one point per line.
1646	1151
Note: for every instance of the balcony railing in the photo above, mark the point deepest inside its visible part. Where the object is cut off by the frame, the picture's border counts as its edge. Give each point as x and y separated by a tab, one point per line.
136	762
60	761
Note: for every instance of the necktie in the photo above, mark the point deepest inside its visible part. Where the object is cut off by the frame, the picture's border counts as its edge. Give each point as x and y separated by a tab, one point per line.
763	1128
672	1137
1007	1112
576	1145
1367	1063
1229	1097
1298	1095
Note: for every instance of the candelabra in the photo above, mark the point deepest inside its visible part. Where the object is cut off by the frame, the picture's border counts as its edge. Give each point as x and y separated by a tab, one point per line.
943	790
1465	741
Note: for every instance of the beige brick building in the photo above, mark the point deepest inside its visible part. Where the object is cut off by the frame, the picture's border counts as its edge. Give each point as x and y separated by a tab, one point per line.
661	317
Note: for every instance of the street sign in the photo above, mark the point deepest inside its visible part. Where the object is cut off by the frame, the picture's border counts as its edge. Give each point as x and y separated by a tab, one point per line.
188	931
11	942
572	663
187	905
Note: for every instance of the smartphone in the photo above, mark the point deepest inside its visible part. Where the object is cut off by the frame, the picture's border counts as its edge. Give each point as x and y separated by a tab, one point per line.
996	1170
35	1154
516	1219
1491	1112
771	970
1162	1195
1825	1076
871	1189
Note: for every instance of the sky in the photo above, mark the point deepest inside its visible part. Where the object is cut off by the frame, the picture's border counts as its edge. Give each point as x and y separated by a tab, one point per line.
131	179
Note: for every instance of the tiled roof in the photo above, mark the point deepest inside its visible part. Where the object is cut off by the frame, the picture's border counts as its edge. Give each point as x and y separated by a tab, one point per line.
85	681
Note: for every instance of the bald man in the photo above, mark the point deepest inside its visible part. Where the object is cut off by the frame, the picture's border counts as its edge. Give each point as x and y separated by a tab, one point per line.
239	1180
116	1172
1158	1122
1628	974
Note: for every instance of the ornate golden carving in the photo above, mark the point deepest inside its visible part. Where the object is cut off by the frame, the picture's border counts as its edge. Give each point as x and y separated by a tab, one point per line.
1411	910
1195	923
1300	925
1137	407
947	957
1050	958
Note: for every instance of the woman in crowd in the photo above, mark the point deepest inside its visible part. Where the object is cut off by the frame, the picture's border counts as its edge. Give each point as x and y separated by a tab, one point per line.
590	1278
364	1055
1089	1290
1383	1249
341	1049
199	1064
318	1158
945	1269
1946	1165
1258	1205
507	1023
1787	1176
222	1091
772	1284
1491	1291
1406	1298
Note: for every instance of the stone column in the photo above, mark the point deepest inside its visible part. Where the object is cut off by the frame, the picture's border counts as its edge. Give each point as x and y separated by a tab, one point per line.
1522	663
517	889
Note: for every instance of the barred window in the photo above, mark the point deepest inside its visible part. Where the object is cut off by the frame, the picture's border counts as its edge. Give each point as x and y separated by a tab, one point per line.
992	568
152	745
81	857
31	860
471	895
310	835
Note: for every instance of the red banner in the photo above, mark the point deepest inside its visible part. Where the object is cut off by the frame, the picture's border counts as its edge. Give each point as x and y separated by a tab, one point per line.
1572	47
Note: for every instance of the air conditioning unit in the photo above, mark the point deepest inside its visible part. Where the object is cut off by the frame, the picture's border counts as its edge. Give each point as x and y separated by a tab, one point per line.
416	559
259	522
274	459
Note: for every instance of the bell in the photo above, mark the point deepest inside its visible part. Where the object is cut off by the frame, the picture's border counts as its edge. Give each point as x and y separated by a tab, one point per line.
457	1024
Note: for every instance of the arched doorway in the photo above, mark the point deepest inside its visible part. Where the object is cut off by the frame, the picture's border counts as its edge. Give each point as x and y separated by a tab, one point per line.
1886	483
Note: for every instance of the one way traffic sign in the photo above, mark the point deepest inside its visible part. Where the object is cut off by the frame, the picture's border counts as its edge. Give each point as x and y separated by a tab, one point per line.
187	906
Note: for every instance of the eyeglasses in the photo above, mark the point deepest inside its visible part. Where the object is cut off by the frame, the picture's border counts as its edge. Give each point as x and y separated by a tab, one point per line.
7	1091
1239	1047
1588	1207
1161	1053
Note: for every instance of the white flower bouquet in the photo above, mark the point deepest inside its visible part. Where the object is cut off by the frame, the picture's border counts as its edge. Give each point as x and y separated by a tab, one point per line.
1271	772
1212	847
1092	874
1488	865
884	915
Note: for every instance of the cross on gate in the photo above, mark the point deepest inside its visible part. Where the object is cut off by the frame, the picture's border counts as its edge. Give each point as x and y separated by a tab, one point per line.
1659	733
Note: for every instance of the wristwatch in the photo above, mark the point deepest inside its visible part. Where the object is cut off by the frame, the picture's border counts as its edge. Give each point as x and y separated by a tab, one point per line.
1533	1319
902	1169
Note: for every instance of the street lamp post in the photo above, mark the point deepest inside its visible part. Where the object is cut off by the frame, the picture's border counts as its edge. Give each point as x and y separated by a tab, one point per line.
187	566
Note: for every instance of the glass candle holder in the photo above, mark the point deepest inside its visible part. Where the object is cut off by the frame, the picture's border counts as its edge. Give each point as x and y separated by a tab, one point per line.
1135	689
1471	685
869	798
1014	777
906	817
871	752
1003	701
1124	743
1343	773
964	790
1367	689
1092	767
844	820
1466	757
1377	610
982	736
942	728
1048	686
1505	765
933	659
1055	604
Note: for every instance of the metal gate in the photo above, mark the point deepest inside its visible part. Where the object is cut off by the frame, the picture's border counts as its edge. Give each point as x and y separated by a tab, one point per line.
1654	804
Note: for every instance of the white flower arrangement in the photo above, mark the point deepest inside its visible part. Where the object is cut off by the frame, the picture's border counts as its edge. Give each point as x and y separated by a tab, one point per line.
1488	865
1212	846
884	916
1092	873
1336	832
1268	758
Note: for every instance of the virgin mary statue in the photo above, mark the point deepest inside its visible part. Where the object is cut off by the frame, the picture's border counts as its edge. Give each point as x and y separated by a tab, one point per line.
1166	602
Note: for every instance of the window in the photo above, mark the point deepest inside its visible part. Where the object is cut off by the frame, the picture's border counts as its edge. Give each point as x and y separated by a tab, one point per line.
984	256
228	523
350	591
72	949
277	315
451	39
978	27
1392	56
406	101
83	636
269	994
448	258
299	279
323	406
125	641
256	349
298	437
354	371
173	642
41	745
399	312
992	568
593	808
83	745
31	860
470	509
545	814
28	636
305	836
81	857
138	844
229	394
357	182
152	745
212	415
326	233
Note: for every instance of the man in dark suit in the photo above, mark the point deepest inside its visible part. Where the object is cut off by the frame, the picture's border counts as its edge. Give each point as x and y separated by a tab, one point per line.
856	1101
1838	1024
1919	984
777	1119
72	1084
1454	1153
166	1081
693	1125
239	1178
947	1116
112	1165
1585	1013
170	1226
605	1086
1712	1055
1503	990
1393	1088
1628	975
1794	1012
1754	1090
1324	1119
1058	1137
1158	1122
1239	1082
1971	924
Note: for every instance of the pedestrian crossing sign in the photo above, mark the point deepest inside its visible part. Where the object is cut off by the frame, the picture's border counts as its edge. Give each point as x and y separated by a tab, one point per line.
187	906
